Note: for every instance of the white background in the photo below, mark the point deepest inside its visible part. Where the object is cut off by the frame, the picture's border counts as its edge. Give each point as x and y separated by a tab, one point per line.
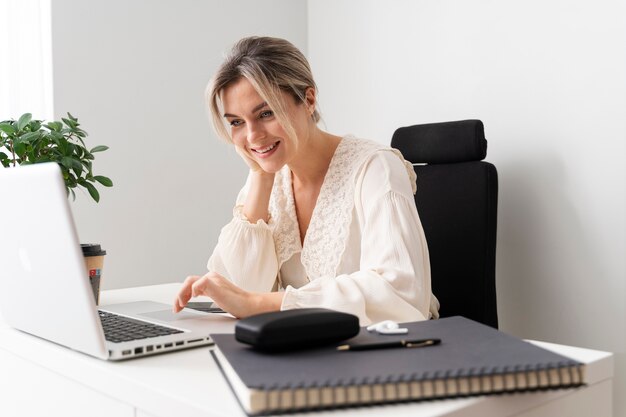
548	79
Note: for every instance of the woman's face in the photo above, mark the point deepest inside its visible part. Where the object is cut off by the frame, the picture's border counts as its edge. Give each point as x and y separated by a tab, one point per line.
256	130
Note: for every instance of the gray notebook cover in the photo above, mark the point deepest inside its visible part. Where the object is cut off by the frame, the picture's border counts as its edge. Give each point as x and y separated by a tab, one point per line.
467	348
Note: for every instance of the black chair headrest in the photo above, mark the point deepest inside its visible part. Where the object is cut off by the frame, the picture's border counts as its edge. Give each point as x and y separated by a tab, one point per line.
440	143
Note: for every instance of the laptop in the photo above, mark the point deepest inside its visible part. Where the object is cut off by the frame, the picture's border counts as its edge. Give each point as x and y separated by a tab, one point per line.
45	290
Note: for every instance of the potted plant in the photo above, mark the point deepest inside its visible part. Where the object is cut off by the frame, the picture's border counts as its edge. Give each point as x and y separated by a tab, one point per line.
27	141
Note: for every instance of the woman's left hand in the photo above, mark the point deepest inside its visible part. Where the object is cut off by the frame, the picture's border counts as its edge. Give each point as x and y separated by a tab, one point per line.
228	296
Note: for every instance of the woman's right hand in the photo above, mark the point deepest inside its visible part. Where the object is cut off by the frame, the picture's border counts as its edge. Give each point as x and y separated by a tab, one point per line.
257	201
228	296
252	164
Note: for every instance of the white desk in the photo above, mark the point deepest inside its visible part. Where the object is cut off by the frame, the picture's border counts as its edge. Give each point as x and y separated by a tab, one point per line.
41	378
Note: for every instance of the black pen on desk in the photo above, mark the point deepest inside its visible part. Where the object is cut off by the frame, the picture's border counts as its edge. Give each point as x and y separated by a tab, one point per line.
391	344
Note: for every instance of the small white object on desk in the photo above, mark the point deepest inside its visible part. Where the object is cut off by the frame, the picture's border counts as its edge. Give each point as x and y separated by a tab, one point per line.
387	327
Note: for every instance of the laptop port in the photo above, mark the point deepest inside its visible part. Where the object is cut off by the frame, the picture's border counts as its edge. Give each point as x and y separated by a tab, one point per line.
167	345
180	343
149	348
157	347
126	352
195	340
138	350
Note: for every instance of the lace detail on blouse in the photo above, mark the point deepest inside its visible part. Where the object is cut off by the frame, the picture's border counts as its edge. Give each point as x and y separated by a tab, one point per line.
328	230
282	210
326	237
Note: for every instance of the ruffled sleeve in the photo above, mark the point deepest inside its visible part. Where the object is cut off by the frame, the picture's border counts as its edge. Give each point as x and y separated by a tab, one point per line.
245	252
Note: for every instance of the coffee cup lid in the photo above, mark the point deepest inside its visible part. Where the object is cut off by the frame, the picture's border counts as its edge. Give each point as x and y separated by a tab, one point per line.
92	249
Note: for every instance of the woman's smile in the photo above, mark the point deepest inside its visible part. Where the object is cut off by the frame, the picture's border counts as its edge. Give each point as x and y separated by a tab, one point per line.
265	152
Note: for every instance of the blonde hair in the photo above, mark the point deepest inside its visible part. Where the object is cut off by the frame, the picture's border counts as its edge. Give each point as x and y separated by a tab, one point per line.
271	65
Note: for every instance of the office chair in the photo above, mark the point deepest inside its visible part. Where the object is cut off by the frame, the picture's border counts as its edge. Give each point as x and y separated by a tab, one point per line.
457	200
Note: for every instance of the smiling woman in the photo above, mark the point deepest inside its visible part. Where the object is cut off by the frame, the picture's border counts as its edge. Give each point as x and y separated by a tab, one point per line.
323	220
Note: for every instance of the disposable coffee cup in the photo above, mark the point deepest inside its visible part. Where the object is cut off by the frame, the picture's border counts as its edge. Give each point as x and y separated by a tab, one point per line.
94	260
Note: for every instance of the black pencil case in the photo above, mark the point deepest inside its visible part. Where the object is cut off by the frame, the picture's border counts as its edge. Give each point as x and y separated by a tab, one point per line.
296	329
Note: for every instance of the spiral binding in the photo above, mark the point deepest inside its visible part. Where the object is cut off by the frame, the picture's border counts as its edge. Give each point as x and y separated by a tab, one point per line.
414	387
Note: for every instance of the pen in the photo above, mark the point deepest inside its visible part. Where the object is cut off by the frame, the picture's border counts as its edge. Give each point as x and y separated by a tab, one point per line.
391	344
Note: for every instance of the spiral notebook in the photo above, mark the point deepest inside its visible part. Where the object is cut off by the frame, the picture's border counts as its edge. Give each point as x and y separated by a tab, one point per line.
472	359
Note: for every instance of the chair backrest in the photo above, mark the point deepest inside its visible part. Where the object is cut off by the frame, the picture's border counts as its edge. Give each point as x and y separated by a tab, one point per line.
457	200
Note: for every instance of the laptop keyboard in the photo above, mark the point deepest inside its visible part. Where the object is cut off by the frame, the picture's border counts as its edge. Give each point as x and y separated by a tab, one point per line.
123	329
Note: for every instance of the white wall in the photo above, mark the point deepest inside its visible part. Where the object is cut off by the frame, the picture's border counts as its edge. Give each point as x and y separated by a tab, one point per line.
134	73
548	79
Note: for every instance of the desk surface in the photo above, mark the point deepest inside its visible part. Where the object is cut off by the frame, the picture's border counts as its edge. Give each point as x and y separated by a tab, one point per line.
188	383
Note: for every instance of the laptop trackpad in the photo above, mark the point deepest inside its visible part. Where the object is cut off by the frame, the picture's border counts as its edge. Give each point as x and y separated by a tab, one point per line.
167	315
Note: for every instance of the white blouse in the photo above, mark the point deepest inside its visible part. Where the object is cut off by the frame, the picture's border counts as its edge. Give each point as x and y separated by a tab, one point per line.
364	251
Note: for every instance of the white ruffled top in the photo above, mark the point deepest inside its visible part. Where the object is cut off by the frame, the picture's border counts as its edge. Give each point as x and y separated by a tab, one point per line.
364	251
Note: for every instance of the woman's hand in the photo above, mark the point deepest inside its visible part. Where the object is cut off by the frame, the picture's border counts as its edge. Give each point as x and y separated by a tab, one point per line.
261	182
252	164
228	296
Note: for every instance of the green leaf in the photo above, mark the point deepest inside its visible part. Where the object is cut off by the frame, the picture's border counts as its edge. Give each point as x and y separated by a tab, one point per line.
77	167
7	128
80	137
35	125
92	191
29	137
31	155
69	163
56	136
61	146
69	122
4	159
103	180
99	148
24	120
78	151
70	180
68	149
55	126
19	148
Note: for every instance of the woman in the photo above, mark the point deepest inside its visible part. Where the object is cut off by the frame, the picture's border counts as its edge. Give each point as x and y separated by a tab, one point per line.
323	220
